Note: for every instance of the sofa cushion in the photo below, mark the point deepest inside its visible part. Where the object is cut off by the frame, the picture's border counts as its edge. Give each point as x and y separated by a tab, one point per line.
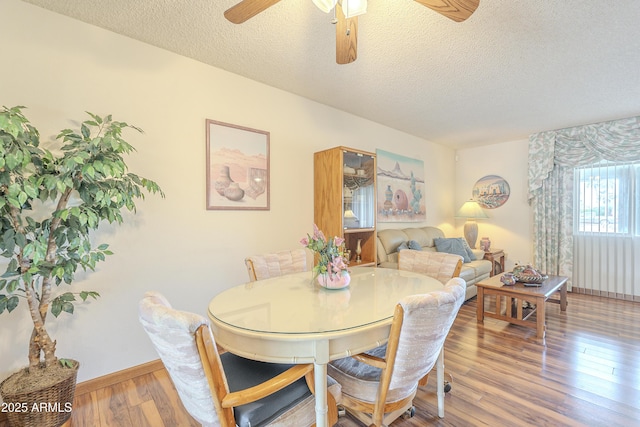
467	273
481	268
390	239
452	245
414	245
472	255
478	253
424	236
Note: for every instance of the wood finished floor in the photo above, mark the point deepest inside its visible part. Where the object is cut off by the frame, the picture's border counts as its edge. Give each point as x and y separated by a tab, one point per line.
587	373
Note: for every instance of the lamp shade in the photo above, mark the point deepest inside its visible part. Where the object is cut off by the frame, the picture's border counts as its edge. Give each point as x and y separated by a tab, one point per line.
325	5
352	8
471	210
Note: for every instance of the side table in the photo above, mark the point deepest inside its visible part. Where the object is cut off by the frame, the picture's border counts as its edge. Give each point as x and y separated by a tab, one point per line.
496	256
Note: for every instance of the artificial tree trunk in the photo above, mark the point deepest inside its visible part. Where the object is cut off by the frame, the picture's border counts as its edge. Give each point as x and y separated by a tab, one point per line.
40	343
42	348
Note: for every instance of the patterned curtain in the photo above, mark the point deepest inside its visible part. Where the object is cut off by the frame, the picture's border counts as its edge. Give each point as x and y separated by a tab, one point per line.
552	157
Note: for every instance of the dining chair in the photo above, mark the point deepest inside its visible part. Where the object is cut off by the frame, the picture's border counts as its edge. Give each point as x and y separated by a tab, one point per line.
439	265
276	264
379	386
224	389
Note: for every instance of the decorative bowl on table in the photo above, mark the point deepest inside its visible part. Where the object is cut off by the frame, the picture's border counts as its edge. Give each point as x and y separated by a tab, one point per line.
537	279
528	274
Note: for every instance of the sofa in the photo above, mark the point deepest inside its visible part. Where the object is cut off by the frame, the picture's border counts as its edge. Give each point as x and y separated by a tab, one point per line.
423	238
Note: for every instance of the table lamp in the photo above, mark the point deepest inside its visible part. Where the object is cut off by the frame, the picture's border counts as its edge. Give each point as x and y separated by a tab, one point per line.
471	211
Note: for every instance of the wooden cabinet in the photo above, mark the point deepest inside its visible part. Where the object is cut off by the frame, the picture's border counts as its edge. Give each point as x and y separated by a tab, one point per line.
345	199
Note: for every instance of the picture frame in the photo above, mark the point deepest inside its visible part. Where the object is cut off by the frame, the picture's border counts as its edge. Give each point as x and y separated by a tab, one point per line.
491	191
401	188
237	167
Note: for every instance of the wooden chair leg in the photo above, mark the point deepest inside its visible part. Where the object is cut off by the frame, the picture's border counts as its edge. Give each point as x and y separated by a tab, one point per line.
423	381
333	409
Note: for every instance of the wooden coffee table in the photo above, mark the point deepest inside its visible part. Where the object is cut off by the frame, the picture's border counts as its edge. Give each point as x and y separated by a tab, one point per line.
515	295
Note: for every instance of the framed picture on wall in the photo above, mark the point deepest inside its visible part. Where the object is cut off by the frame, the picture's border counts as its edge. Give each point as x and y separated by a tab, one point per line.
491	191
400	182
237	167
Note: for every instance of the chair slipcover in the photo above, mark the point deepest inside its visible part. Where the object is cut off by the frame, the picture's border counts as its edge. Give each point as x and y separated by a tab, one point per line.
426	322
262	267
172	333
439	265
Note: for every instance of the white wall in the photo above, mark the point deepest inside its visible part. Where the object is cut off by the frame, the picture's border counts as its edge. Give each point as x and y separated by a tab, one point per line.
59	68
509	226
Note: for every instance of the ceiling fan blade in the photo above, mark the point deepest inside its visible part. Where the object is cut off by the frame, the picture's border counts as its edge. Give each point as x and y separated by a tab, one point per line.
457	10
247	9
346	37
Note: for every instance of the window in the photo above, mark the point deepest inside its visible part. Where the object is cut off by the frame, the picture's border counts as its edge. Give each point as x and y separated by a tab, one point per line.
604	203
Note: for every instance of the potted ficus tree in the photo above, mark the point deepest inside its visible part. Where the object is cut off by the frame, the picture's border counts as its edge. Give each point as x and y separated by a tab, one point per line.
49	206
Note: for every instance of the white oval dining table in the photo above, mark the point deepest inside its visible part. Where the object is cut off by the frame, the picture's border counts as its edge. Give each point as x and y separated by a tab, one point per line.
291	319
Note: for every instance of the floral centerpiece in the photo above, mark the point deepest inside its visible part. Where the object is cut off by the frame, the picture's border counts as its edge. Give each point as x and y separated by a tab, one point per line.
330	270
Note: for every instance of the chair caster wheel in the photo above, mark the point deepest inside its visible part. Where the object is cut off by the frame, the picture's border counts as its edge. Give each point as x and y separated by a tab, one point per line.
409	413
447	387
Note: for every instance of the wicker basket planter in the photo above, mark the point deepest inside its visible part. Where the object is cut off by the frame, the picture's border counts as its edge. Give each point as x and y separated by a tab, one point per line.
48	406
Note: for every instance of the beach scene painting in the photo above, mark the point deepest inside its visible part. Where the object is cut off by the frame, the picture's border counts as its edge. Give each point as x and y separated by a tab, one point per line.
491	191
400	182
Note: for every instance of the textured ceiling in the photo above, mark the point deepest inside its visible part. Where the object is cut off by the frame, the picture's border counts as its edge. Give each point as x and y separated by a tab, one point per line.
515	67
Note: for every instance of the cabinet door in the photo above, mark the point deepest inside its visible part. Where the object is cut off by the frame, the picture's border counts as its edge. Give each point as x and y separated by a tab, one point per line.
359	192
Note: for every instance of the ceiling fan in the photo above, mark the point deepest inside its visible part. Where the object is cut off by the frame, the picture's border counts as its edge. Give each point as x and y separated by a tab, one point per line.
346	17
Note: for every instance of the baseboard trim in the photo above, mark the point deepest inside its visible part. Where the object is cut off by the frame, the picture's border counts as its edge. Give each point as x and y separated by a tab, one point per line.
117	377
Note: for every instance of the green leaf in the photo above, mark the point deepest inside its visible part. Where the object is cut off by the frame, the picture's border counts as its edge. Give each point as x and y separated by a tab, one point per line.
22	198
62	303
67	307
31	190
8	304
12	285
85	130
85	294
11	161
12	303
67	296
58	272
66	363
89	171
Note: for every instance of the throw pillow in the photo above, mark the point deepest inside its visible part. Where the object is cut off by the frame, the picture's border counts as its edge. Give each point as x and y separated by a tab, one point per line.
472	256
451	245
414	245
402	246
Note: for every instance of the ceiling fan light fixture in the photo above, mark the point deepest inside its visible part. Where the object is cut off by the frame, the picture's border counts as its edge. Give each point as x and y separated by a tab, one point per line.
325	5
353	8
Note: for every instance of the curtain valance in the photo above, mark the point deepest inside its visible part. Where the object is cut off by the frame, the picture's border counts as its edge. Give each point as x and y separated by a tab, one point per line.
617	140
